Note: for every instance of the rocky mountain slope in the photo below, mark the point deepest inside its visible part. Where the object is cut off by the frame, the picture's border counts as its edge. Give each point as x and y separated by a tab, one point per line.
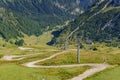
33	17
100	23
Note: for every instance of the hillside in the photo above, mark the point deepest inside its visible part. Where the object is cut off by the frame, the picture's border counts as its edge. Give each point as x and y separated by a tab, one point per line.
59	39
100	23
32	17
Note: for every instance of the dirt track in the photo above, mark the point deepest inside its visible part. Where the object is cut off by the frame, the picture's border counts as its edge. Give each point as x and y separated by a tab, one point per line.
95	67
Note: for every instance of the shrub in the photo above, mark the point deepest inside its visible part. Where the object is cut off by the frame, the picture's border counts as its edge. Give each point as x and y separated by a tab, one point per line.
19	42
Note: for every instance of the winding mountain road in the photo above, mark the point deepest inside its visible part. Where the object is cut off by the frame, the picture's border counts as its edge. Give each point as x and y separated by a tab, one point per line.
95	67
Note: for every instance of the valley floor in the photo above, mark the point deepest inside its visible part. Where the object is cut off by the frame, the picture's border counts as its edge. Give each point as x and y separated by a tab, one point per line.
42	62
33	64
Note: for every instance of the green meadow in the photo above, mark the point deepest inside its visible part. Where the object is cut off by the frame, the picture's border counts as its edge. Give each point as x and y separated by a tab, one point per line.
13	70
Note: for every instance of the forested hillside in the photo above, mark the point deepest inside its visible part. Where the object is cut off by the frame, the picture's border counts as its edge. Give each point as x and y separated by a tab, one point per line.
32	17
13	25
100	23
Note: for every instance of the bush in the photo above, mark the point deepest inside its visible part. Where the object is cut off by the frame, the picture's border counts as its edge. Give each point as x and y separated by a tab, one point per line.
94	49
19	42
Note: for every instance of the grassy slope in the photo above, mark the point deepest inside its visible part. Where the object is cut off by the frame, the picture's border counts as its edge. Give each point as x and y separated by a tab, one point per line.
11	70
38	43
15	72
43	55
87	56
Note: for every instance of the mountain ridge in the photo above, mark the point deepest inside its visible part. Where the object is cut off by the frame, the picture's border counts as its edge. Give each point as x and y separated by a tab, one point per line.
33	17
91	23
